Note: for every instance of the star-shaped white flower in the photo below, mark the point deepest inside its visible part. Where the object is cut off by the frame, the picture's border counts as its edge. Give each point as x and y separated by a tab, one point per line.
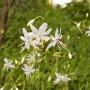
65	78
41	33
7	64
28	70
56	40
58	78
61	78
28	38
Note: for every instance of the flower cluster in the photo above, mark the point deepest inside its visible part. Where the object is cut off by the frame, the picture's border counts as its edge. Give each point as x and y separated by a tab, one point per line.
36	39
37	36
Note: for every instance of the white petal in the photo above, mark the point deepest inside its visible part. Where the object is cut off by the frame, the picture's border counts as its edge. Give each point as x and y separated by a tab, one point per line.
50	45
60	36
87	31
88	35
25	66
31	35
53	38
27	73
5	60
56	81
33	70
23	38
56	33
24	32
35	30
43	27
47	32
27	45
70	55
12	66
57	75
30	22
46	38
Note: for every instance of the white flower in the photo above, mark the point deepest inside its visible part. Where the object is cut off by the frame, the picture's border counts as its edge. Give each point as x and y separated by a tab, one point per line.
88	32
65	78
28	70
58	78
61	78
41	34
7	64
28	38
56	40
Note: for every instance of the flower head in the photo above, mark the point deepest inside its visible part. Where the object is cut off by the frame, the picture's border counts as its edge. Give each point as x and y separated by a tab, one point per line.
28	38
41	33
7	64
61	78
56	40
28	70
57	80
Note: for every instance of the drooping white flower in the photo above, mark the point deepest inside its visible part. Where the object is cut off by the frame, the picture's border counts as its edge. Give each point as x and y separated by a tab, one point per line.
56	40
28	70
88	32
61	78
70	55
30	22
41	33
7	64
28	38
33	20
